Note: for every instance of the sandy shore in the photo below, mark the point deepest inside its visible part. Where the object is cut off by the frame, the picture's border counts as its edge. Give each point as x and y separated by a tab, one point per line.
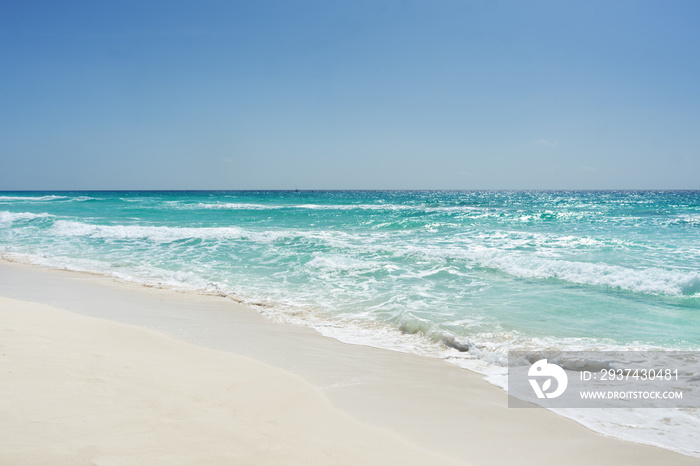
97	372
78	390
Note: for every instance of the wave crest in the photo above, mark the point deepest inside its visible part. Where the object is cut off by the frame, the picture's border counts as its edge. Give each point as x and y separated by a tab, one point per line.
9	217
31	198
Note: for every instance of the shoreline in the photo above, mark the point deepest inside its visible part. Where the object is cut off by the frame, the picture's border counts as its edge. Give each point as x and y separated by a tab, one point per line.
434	406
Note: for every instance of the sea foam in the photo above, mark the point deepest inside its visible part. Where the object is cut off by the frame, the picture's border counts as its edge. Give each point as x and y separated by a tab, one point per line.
9	217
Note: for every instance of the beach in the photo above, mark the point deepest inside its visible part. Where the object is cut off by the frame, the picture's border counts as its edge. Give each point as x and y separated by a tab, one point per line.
77	390
349	233
101	372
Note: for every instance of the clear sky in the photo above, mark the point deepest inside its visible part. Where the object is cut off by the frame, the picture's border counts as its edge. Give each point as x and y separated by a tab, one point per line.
354	94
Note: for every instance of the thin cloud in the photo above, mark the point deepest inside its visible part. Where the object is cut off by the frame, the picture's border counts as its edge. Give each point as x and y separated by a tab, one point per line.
546	142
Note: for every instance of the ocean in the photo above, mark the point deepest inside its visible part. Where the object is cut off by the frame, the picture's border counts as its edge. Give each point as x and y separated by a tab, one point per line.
465	276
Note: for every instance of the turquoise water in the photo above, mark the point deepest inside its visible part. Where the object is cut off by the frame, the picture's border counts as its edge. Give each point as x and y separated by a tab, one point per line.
475	272
464	276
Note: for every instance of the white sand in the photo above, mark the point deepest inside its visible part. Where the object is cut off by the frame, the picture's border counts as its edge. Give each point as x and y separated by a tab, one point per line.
77	390
81	390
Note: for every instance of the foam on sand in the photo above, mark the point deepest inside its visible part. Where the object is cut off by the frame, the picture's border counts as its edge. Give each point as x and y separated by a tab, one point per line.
78	390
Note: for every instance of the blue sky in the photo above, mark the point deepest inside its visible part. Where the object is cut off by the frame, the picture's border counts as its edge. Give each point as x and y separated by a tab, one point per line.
350	95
